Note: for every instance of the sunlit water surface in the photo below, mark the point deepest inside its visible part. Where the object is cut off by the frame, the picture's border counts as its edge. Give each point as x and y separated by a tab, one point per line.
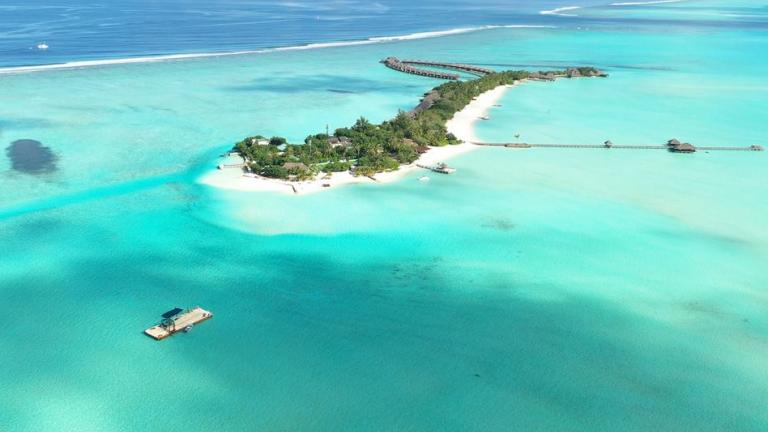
537	289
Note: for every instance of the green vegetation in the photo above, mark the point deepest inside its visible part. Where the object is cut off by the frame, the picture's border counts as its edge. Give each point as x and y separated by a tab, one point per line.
589	71
366	148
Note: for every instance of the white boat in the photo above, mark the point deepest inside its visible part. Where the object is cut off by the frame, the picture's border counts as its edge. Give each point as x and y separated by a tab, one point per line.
444	169
187	328
439	168
42	46
423	179
485	118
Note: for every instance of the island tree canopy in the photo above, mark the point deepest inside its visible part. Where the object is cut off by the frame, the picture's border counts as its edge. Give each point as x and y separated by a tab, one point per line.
380	147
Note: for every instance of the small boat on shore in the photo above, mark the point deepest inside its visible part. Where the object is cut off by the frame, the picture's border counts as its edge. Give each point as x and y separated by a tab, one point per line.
485	117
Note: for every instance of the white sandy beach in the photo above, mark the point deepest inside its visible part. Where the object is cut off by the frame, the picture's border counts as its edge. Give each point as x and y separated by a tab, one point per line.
462	125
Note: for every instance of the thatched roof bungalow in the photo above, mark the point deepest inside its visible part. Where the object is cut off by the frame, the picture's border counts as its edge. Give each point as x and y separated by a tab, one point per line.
295	166
683	148
573	73
340	141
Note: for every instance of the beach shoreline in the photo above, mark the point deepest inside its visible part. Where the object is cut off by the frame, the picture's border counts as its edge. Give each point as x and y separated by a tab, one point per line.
462	125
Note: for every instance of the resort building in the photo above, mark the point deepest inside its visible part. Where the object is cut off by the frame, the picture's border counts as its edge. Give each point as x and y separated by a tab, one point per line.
683	148
341	141
295	166
573	73
676	146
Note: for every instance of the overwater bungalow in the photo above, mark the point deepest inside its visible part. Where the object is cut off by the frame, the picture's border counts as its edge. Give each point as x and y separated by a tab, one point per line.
675	146
683	148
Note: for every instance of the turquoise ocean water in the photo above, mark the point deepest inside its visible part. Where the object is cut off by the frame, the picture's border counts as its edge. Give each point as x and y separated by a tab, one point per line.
541	289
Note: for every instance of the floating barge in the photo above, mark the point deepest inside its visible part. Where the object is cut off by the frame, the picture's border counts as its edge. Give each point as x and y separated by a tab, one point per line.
176	320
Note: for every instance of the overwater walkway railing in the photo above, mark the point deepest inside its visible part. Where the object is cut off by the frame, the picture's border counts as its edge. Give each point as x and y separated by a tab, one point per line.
672	146
395	64
409	66
475	70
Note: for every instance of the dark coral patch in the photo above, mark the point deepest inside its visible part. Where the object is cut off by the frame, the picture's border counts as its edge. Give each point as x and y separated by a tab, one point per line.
31	157
499	224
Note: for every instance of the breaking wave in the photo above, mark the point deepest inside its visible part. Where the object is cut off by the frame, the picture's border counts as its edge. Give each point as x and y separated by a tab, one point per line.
170	57
559	11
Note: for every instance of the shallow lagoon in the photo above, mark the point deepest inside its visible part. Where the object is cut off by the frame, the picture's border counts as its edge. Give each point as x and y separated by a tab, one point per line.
534	289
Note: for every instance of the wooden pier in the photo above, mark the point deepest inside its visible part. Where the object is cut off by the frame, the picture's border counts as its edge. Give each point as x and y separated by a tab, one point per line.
673	146
439	168
395	64
412	67
224	166
177	320
474	70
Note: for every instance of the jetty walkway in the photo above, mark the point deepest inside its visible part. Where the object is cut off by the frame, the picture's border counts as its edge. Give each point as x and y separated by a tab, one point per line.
672	145
395	64
239	165
439	168
410	67
475	70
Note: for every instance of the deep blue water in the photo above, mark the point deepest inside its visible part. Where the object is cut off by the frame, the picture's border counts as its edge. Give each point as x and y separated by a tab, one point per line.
108	29
119	28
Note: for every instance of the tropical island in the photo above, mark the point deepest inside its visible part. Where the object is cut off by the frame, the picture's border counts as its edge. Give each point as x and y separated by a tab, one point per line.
366	149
